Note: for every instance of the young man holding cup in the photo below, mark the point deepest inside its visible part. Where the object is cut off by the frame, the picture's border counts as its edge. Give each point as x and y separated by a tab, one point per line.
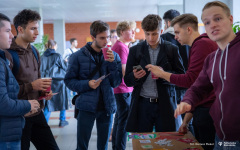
95	99
29	79
153	100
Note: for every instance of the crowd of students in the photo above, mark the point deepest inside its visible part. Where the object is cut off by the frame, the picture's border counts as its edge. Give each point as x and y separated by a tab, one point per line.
140	82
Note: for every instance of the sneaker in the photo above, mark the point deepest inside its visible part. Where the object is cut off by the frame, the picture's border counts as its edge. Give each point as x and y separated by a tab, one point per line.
63	123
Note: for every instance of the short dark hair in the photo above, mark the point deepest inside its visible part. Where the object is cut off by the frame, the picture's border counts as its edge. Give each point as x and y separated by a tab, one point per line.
51	43
24	17
3	18
170	14
186	19
98	27
113	31
151	22
72	40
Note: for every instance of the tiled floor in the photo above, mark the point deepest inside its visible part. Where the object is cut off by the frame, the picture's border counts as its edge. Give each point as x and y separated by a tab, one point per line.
66	137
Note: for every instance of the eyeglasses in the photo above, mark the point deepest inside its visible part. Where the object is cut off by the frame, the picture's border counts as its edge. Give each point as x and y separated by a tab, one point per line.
115	37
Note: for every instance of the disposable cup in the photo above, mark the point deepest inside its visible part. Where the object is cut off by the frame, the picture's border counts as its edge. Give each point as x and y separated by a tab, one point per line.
49	88
104	51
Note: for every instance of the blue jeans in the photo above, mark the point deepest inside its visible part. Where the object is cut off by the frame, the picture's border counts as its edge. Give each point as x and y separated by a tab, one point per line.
15	145
47	114
85	122
119	135
226	145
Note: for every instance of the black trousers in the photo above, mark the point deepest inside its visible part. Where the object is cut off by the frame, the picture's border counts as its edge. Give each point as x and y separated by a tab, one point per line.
39	133
204	127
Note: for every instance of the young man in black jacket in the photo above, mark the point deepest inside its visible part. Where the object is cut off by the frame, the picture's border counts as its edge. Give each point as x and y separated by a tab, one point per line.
153	100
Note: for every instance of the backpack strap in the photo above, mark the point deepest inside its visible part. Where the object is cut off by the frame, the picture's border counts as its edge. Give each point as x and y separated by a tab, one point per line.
71	50
16	61
35	52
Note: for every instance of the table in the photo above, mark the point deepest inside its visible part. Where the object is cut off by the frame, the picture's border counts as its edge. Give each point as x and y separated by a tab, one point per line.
168	141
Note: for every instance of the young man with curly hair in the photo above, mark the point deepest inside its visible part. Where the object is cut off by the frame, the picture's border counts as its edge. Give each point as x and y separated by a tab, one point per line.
29	79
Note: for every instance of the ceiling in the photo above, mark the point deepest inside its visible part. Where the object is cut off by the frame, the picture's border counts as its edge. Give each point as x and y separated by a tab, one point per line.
87	10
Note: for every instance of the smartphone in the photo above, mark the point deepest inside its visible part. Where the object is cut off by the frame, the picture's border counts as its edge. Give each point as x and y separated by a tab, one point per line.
138	67
102	77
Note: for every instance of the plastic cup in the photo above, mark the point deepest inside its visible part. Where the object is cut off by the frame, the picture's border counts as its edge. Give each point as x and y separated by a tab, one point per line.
104	51
154	76
49	88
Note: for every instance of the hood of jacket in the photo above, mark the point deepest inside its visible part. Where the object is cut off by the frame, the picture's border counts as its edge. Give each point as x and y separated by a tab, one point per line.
23	53
169	30
229	45
49	52
204	35
28	70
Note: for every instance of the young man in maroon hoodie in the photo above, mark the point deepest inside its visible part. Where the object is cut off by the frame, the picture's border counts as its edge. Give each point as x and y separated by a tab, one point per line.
29	79
221	74
186	32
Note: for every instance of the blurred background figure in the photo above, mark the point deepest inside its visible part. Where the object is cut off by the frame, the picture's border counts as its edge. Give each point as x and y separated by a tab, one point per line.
68	52
169	35
55	67
113	36
125	31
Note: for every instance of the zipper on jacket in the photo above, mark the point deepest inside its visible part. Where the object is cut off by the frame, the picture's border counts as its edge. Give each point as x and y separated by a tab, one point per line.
220	74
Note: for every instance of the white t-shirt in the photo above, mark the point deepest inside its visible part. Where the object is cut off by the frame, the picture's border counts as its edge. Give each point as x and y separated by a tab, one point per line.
68	52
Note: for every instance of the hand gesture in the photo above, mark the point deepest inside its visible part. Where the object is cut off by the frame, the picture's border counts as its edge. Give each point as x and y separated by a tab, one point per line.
182	108
156	70
110	56
139	74
94	84
49	95
183	128
41	84
35	106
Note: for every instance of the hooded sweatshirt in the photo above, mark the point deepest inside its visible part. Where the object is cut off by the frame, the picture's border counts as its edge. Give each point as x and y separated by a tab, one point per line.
29	71
220	72
202	46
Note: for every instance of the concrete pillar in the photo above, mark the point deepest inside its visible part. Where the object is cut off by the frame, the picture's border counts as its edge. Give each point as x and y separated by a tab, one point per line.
40	29
59	35
236	11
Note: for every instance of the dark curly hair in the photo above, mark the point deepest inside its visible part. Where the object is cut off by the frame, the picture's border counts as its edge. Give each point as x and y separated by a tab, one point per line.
24	17
98	27
151	22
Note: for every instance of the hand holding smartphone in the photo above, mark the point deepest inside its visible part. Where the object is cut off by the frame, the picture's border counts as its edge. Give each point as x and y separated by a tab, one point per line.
102	77
138	67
